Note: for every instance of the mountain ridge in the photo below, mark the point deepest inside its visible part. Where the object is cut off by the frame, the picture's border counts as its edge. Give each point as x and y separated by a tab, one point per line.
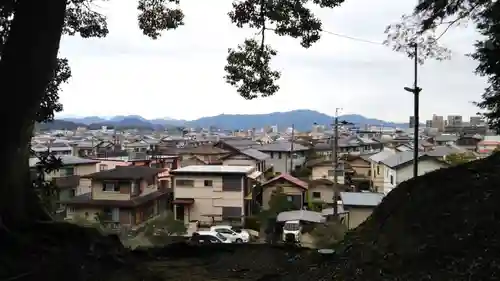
302	119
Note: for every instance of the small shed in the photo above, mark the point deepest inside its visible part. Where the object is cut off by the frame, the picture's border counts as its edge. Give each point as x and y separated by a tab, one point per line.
359	205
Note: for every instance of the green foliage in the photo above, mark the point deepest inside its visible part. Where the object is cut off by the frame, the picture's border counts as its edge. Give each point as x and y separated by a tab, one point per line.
459	158
429	15
277	203
248	67
328	234
156	16
164	225
47	191
302	172
253	223
316	206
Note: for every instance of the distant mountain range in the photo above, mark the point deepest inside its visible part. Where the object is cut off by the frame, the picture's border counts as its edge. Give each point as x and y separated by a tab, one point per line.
302	120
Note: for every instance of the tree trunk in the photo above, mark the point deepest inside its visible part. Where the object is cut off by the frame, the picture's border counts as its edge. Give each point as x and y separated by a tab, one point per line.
27	65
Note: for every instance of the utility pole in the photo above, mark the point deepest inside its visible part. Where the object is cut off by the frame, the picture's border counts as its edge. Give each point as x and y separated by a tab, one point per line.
291	148
335	162
416	93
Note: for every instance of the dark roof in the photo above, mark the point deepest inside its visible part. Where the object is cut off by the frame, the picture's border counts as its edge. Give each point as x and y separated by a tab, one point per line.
125	172
86	200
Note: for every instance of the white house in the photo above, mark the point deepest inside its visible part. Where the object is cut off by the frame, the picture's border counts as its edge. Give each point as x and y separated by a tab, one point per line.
399	167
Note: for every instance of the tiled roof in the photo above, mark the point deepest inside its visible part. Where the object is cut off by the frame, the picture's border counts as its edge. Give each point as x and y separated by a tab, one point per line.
281	146
288	178
254	153
66	160
125	172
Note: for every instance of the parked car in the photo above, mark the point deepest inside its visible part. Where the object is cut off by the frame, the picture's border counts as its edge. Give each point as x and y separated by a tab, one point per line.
231	233
208	237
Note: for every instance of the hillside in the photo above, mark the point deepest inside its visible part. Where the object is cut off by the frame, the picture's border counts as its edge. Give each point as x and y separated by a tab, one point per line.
440	226
302	119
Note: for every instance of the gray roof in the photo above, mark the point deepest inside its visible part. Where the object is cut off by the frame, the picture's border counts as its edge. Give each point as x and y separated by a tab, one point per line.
300	215
362	199
214	169
382	155
400	158
66	160
281	146
440	151
446	138
254	153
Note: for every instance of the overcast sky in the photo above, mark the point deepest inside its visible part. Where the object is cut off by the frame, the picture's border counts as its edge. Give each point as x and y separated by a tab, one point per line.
181	74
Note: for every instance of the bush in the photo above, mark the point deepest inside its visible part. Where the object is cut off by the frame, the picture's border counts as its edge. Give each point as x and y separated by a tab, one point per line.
253	223
328	234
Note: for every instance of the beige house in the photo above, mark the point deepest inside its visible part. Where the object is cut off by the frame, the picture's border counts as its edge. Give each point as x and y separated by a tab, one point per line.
359	206
292	187
125	196
378	169
323	169
68	179
322	190
246	157
211	193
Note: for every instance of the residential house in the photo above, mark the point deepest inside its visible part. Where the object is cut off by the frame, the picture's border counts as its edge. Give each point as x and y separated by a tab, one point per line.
377	169
359	206
125	196
210	193
208	153
323	169
246	157
444	139
54	147
292	187
68	178
399	167
283	155
468	142
323	190
488	145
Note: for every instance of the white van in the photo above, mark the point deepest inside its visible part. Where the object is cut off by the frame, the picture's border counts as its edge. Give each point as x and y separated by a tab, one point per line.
292	227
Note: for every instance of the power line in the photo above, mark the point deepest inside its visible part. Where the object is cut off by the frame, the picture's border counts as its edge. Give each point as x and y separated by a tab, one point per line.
352	38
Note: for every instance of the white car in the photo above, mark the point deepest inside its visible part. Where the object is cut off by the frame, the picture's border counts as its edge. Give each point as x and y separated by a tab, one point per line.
204	237
236	236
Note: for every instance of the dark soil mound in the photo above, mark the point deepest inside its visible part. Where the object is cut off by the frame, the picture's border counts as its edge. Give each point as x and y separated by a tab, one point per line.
63	251
441	226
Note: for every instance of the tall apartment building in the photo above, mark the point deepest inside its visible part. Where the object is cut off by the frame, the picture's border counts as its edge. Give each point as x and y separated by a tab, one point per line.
438	122
476	121
455	120
412	122
428	124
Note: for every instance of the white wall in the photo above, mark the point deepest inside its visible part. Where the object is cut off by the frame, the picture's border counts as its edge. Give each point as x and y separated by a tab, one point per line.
406	172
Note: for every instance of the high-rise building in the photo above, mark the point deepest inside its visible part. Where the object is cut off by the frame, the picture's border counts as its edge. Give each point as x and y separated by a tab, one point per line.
455	120
438	122
476	121
412	122
428	124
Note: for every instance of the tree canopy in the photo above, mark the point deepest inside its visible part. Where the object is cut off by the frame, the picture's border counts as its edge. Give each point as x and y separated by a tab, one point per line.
431	19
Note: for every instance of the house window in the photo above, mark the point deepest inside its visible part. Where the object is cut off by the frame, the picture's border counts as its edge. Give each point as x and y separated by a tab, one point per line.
185	183
378	170
69	171
232	183
110	187
392	179
289	198
279	155
208	183
316	195
103	167
110	214
339	173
